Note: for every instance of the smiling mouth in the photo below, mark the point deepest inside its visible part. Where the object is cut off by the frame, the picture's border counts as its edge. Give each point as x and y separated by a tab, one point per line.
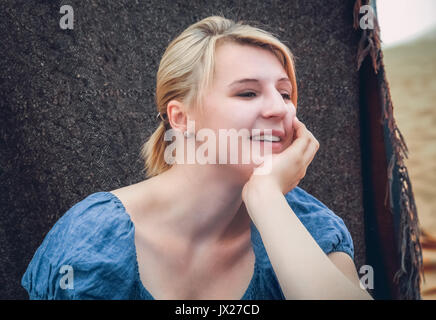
266	137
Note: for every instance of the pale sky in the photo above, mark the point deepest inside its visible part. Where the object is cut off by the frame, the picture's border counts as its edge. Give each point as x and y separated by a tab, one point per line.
404	20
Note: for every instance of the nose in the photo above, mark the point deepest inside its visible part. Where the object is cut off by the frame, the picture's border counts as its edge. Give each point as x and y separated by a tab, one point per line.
276	106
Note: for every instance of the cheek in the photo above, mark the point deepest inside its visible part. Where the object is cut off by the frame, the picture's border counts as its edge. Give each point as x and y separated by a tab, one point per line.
226	114
234	120
240	114
293	110
244	118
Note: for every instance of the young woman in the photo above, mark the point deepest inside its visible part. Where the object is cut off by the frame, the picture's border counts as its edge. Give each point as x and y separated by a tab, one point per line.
208	230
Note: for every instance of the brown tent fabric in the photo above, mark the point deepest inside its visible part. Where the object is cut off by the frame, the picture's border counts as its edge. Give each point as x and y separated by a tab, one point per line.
390	207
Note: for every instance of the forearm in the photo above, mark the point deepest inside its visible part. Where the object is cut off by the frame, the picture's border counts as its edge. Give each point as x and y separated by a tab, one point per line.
303	270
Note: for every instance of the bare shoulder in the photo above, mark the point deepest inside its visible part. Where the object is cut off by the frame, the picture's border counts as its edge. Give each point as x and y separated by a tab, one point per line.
133	197
126	193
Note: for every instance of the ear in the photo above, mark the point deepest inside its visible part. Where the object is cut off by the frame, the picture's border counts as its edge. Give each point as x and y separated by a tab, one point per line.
177	115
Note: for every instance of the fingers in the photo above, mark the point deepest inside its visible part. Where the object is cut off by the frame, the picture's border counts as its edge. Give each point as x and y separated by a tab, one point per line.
301	138
305	144
312	146
311	151
299	128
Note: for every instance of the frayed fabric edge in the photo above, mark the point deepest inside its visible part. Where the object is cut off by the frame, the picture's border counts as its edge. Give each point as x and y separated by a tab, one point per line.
408	277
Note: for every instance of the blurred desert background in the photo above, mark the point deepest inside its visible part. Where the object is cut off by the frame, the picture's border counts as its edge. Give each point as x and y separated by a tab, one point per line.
411	72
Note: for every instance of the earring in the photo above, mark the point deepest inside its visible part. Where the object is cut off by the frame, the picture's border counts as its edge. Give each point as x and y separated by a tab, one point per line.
187	134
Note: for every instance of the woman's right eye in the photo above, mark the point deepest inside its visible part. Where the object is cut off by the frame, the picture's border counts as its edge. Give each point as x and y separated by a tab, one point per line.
247	94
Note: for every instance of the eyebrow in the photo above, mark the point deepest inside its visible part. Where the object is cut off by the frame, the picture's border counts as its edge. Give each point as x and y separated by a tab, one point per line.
248	80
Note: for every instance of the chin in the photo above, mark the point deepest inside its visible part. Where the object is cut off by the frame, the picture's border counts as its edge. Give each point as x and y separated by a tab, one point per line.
242	172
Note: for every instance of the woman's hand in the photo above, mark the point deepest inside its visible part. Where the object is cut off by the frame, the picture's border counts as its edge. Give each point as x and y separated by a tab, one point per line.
287	167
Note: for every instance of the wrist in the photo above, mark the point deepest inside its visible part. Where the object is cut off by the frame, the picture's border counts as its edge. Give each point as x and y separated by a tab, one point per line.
256	190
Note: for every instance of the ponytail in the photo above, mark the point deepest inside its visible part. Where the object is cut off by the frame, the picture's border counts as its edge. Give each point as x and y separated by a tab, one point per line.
153	152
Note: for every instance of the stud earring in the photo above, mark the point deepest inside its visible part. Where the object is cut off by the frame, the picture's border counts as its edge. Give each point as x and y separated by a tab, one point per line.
187	134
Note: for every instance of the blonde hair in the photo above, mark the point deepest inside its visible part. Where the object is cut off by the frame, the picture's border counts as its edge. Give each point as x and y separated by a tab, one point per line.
187	67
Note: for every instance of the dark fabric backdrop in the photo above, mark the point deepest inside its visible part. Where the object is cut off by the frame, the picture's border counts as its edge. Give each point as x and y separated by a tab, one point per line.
76	105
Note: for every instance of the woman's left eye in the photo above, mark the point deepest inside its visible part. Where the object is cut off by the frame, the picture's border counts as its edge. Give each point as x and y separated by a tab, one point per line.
286	96
247	94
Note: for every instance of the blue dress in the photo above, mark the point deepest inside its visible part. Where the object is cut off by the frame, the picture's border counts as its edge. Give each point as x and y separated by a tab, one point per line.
90	252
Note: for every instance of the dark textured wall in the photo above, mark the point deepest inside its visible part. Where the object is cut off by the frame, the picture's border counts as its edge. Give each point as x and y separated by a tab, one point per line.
76	105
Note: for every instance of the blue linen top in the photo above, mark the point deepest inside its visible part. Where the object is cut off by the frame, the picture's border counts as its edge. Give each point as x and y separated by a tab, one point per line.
95	238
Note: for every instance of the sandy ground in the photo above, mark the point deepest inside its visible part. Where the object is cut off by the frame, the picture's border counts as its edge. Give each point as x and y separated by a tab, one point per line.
411	72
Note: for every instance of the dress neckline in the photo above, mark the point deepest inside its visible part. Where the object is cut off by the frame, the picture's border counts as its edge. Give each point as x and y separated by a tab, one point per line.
143	290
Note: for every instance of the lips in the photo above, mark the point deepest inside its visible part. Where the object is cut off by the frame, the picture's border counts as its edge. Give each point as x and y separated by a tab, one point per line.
275	139
268	135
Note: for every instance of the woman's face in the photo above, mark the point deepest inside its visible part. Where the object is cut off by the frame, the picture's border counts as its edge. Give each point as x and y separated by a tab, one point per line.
250	90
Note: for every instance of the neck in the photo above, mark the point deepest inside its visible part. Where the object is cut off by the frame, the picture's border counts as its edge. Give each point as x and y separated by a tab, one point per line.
202	203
